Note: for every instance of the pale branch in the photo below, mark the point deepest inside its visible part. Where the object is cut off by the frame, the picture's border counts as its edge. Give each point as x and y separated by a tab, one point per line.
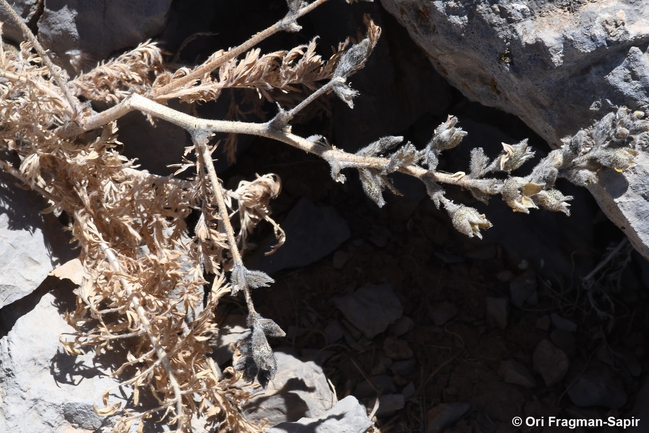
204	154
196	125
280	121
59	79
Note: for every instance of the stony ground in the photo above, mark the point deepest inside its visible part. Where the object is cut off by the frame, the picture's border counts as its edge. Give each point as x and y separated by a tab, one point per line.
448	333
451	332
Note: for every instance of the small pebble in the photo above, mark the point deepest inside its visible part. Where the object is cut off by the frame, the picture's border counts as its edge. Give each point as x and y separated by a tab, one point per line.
444	415
516	373
390	403
404	368
334	331
409	390
550	362
442	312
505	276
397	349
564	341
381	384
522	289
563	323
403	325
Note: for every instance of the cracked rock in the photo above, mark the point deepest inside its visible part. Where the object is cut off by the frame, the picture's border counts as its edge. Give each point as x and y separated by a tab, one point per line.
62	389
312	232
550	362
371	309
346	416
298	390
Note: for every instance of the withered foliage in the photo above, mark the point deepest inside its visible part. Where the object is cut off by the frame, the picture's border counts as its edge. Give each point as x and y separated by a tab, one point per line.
143	291
145	271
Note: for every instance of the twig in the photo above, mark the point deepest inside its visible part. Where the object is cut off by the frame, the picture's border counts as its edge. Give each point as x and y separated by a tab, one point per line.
146	326
607	259
218	59
61	82
195	125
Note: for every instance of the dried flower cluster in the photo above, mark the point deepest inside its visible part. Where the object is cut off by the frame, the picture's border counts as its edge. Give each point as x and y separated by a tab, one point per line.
146	272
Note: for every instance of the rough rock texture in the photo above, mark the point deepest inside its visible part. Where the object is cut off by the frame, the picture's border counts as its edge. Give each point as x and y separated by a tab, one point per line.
25	9
84	32
371	308
597	387
550	362
445	415
347	416
312	232
550	63
299	389
514	372
31	244
42	388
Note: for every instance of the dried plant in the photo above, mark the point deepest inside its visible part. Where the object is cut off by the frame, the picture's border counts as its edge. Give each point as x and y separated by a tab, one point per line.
145	272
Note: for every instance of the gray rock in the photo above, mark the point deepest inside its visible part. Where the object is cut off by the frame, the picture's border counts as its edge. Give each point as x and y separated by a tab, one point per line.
80	33
442	312
505	276
371	309
404	368
563	323
381	384
550	362
312	232
597	387
334	331
396	348
445	415
299	389
42	387
26	9
409	390
516	373
232	329
170	140
389	404
497	312
403	325
523	289
549	67
346	416
565	341
31	244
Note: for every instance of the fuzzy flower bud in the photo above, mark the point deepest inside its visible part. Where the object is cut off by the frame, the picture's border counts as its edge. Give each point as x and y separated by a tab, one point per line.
514	155
516	192
447	136
553	200
467	220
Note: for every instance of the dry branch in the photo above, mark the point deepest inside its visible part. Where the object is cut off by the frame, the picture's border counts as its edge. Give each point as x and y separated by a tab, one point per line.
146	273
